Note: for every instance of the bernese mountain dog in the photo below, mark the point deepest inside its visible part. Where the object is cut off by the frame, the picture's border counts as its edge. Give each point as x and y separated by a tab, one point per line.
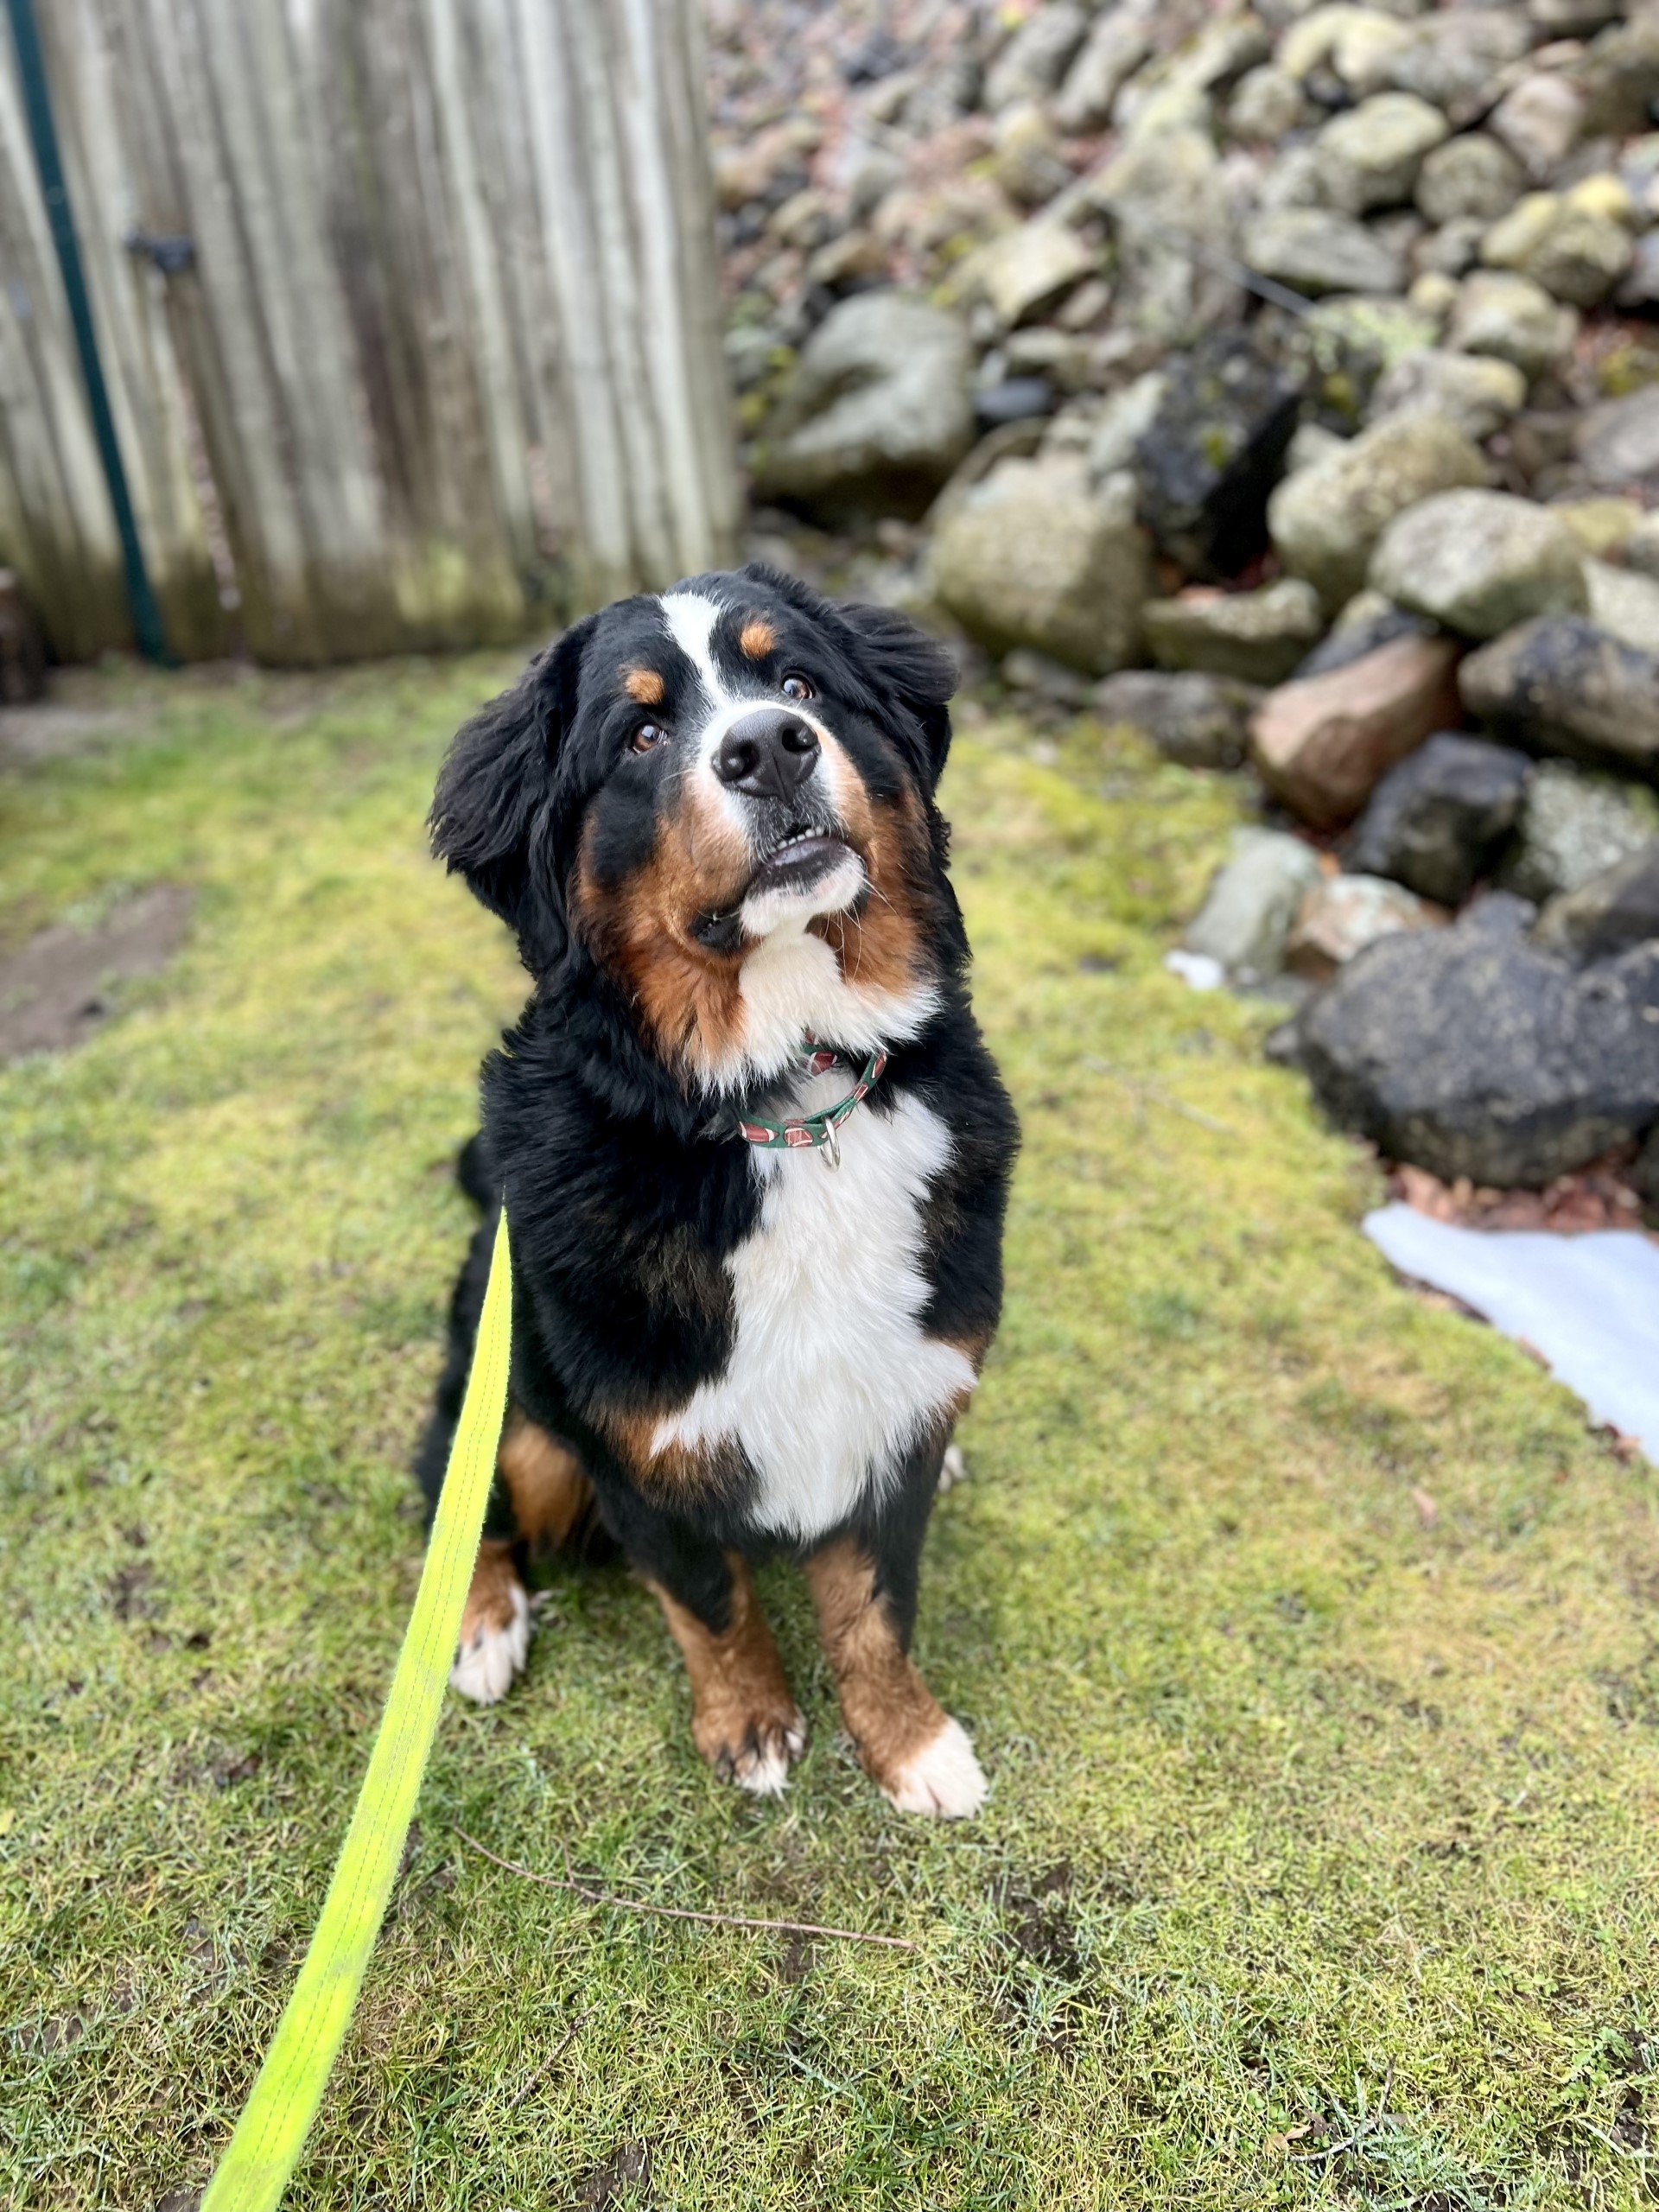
754	1151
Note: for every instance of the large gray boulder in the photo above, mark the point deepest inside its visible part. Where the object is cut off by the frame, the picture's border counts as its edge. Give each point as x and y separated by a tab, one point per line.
1573	827
1471	176
1437	821
1327	520
1576	253
1033	555
1314	250
1609	914
1114	50
1258	636
1471	1052
1037	57
1370	157
879	411
1541	120
1617	443
1198	720
1501	313
1617	75
1559	684
1474	393
1450	60
1164	183
1023	271
1624	603
1479	562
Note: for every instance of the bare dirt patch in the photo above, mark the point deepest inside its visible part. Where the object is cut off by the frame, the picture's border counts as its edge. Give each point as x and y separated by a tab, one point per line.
56	990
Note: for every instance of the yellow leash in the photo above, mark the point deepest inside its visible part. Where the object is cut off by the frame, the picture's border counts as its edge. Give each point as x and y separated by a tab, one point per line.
271	2134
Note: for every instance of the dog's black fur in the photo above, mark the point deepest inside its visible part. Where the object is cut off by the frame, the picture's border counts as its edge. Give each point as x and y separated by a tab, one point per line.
626	1186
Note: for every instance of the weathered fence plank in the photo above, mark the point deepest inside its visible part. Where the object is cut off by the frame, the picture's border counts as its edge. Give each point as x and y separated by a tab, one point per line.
446	361
56	526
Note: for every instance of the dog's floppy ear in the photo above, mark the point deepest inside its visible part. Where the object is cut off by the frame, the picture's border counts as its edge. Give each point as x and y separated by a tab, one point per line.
906	667
492	818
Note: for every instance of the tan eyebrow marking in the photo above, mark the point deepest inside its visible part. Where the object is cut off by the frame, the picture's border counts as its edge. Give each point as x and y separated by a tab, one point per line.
756	637
643	685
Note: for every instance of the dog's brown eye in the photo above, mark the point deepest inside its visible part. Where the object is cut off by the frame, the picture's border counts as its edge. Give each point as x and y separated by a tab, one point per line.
646	735
796	687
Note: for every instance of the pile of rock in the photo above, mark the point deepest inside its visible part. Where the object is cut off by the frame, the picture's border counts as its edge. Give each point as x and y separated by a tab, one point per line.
1284	381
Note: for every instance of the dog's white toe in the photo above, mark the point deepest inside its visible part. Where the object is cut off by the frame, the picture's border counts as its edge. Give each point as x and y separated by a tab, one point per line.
763	1771
943	1779
492	1658
953	1469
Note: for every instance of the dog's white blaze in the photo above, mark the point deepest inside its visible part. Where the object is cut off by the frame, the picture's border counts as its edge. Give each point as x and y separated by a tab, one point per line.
691	617
831	1379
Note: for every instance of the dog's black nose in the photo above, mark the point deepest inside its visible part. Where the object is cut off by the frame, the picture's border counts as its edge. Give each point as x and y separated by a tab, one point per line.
769	753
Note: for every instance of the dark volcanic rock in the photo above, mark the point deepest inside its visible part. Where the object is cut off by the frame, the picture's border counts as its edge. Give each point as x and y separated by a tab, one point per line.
1201	721
1559	684
1214	451
1609	915
1435	821
1470	1051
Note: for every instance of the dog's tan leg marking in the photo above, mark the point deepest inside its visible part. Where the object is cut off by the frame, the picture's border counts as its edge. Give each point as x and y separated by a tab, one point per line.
743	1719
544	1479
917	1755
494	1627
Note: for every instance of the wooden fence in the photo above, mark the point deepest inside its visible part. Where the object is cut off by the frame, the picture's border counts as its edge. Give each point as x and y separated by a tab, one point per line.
408	311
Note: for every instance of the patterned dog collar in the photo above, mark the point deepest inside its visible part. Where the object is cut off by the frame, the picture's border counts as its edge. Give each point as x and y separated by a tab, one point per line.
809	1131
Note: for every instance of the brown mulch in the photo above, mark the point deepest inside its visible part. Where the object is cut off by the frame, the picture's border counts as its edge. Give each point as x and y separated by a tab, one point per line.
1600	1196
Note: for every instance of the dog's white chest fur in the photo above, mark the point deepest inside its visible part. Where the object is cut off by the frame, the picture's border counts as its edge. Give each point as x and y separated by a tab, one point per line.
831	1378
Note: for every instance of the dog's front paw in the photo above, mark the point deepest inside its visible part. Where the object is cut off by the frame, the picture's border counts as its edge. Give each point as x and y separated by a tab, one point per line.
943	1779
494	1629
756	1753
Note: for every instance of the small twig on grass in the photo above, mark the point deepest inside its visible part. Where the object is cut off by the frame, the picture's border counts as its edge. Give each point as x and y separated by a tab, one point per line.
551	2061
1142	1087
684	1912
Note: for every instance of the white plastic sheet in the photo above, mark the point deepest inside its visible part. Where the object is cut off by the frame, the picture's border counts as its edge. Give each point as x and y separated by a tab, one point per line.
1589	1304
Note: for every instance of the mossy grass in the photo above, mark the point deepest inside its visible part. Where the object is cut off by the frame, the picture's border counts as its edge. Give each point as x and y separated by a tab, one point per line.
1307	1636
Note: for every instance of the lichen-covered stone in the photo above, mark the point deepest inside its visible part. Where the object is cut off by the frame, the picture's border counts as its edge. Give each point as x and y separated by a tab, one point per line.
1033	555
1326	520
1258	636
1472	176
1314	250
1479	562
879	411
1195	720
1513	318
1370	157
